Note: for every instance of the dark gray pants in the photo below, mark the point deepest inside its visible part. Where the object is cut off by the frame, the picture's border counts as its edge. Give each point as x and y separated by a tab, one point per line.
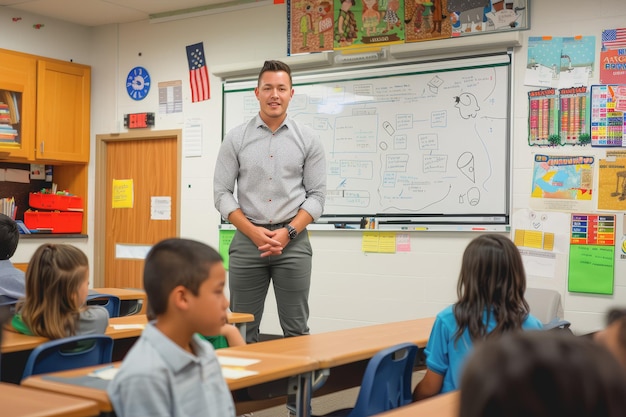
249	277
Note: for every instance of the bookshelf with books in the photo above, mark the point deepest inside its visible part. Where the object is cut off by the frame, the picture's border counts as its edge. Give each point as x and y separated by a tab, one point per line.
18	98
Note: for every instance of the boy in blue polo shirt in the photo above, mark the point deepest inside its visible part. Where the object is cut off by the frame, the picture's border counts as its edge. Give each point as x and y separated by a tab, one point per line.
171	370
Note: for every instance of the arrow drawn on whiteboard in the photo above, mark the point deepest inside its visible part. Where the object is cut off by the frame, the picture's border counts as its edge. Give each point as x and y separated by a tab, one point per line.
398	209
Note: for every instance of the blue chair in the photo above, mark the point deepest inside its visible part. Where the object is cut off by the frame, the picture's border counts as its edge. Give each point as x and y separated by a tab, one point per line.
69	353
386	382
108	301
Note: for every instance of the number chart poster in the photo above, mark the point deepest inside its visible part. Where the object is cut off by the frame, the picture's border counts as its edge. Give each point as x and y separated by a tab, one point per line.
592	254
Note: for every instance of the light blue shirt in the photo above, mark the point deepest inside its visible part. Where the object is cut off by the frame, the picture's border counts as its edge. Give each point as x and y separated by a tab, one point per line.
276	173
446	357
159	378
12	282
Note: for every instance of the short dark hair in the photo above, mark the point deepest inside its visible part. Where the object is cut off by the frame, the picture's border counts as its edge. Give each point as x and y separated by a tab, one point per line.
542	374
173	262
275	66
9	237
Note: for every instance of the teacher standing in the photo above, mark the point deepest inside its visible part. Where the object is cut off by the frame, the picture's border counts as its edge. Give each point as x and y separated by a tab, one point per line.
279	168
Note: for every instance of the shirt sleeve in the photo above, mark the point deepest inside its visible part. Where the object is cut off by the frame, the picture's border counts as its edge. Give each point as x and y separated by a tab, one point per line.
437	348
314	179
93	320
225	175
140	396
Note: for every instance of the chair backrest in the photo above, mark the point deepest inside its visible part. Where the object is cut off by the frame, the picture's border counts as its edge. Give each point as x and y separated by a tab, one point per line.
108	301
545	304
69	353
387	381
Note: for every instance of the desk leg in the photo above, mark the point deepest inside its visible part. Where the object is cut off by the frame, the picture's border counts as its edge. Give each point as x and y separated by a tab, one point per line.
242	329
299	395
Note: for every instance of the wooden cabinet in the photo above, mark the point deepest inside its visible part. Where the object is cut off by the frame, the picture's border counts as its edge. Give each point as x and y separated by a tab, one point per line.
18	98
44	109
45	115
63	111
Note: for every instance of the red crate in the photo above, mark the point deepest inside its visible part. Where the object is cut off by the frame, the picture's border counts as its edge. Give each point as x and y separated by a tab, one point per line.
54	221
55	202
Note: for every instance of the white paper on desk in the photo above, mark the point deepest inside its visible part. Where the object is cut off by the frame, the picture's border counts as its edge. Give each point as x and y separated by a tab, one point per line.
240	362
128	326
104	373
236	373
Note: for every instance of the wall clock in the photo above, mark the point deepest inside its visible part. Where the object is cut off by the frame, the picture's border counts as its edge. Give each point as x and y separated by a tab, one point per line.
138	83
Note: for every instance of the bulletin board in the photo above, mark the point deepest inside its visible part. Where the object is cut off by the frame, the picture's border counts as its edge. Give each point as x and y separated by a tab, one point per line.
423	143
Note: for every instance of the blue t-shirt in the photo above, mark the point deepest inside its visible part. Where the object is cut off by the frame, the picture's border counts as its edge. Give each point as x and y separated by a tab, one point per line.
445	357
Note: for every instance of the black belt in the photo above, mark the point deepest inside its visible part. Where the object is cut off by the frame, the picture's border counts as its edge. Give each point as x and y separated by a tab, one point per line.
274	226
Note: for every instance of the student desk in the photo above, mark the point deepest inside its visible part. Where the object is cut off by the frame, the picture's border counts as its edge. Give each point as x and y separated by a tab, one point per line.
342	355
22	401
443	405
270	367
119	328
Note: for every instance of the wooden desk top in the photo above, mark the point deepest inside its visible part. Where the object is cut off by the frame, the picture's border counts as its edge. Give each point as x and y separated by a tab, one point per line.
341	347
270	367
17	400
123	293
14	342
443	405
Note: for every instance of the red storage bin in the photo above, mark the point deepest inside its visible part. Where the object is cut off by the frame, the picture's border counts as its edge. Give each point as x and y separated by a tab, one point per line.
55	202
54	221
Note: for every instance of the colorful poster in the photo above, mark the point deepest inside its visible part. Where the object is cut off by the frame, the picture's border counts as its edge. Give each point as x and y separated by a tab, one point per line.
577	61
469	17
612	183
543	118
608	115
363	24
544	61
425	20
310	26
613	66
563	177
592	254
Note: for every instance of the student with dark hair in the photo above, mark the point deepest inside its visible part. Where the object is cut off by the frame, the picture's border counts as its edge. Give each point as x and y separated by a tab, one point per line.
277	165
491	302
613	337
11	279
542	374
171	370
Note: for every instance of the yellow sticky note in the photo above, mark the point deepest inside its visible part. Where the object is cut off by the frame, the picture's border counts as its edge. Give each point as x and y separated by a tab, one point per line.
123	195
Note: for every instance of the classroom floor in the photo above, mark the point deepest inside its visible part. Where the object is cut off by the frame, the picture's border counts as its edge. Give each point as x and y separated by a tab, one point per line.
327	403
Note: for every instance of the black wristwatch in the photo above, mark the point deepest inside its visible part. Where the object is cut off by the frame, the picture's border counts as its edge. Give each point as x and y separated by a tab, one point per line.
292	231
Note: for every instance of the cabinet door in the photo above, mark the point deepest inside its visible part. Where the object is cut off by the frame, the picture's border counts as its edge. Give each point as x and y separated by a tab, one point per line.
63	111
18	89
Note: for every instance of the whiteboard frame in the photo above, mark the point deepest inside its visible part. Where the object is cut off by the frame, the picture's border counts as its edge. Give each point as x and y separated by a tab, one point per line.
411	222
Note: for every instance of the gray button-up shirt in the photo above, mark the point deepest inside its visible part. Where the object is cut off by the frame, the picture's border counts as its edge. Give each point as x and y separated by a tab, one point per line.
159	378
276	173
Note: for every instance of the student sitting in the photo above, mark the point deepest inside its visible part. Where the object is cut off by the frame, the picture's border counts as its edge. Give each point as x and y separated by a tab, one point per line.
491	302
57	285
542	374
171	370
11	279
229	336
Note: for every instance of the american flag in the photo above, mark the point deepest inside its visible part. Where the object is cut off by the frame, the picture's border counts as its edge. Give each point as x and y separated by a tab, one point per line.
614	38
198	73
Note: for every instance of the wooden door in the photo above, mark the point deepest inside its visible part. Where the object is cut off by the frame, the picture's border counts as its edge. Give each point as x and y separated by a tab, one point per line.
150	165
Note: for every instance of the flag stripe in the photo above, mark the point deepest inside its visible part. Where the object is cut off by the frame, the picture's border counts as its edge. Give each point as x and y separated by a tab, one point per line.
198	73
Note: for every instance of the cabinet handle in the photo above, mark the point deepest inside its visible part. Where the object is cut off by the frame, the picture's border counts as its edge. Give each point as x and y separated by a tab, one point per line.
41	147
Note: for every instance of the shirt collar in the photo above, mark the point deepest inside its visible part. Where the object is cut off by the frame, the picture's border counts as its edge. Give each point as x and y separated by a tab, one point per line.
173	355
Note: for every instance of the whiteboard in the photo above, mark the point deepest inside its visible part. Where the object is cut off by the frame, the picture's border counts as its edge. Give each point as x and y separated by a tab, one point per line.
419	143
